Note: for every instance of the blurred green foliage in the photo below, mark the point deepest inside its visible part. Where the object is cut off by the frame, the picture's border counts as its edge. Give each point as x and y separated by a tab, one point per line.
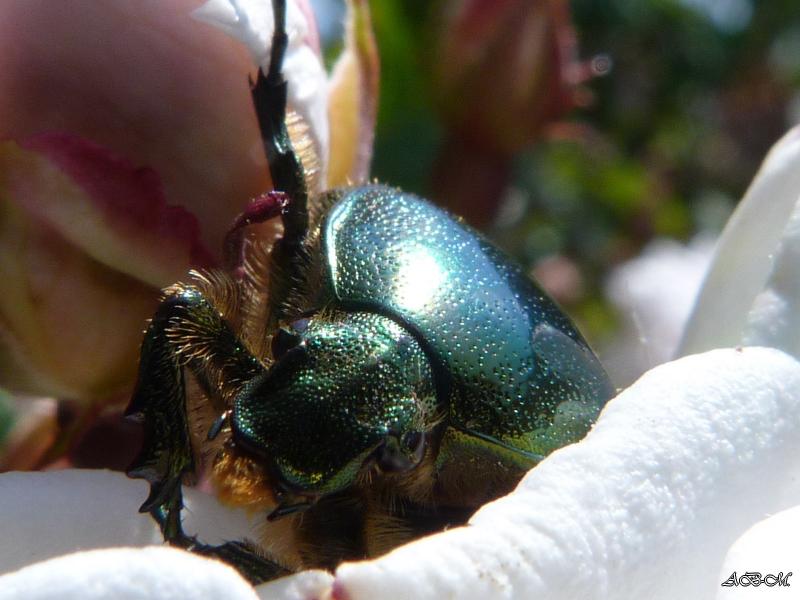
6	415
697	93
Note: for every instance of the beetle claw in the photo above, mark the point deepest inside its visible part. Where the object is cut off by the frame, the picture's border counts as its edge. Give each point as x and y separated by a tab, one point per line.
217	426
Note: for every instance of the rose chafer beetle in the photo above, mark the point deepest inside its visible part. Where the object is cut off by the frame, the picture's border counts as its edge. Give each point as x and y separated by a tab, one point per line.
377	374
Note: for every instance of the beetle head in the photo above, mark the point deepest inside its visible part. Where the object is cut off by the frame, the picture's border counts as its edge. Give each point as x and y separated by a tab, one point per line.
346	393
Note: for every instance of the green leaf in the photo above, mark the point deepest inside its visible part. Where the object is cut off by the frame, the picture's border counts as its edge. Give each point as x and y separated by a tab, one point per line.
7	416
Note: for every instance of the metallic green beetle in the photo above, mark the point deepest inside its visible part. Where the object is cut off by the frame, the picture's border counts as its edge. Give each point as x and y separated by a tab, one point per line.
393	373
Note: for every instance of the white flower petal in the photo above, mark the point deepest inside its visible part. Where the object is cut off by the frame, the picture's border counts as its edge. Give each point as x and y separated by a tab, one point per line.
746	255
126	574
54	513
646	506
774	319
251	22
768	547
58	512
654	293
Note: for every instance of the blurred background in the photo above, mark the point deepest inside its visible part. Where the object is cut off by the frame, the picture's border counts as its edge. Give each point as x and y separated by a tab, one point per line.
601	143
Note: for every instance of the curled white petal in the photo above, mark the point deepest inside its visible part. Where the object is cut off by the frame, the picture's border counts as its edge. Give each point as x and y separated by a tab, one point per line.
728	310
677	467
49	514
251	22
53	513
655	293
774	318
126	574
770	548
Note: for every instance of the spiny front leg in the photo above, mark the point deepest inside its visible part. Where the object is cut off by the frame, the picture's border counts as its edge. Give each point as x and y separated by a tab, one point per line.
187	331
288	261
269	99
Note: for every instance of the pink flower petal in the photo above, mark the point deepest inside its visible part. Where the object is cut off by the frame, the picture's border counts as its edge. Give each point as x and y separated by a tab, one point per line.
122	219
145	81
86	241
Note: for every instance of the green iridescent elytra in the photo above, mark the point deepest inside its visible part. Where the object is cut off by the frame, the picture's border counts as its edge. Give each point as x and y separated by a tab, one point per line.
376	374
508	364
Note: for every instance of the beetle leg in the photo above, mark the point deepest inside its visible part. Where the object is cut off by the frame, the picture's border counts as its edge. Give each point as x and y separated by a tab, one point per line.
288	258
269	98
286	170
265	207
186	331
290	197
241	555
245	559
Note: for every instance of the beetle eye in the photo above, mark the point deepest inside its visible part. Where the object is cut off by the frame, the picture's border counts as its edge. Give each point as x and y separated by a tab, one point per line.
300	325
395	455
283	341
413	443
412	440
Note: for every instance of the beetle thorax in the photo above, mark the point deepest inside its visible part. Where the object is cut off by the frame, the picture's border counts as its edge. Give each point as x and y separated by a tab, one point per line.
346	390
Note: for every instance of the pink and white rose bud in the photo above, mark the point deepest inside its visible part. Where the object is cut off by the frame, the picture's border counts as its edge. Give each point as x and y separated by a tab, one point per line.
505	69
87	240
128	144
